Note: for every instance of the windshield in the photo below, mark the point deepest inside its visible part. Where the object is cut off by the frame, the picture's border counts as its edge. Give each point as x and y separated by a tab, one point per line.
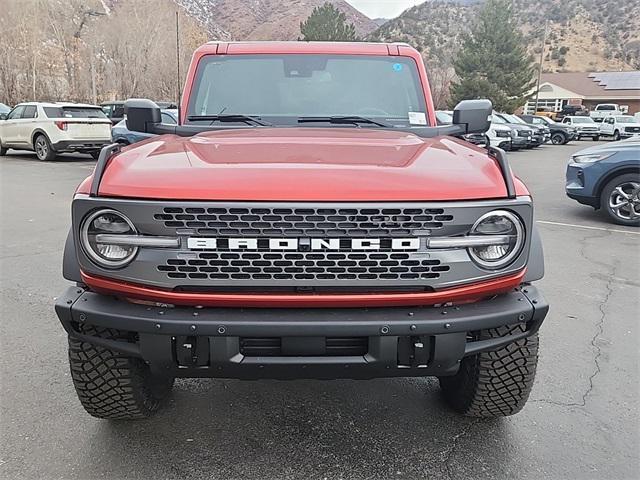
582	120
284	88
496	119
606	107
625	119
514	119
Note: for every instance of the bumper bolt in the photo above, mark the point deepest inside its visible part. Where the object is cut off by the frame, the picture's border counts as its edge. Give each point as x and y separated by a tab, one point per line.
447	326
193	327
69	302
161	312
195	314
534	301
413	327
384	330
221	330
444	312
411	314
521	317
158	326
83	317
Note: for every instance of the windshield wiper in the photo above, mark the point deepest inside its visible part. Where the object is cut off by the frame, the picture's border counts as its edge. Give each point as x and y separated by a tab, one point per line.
347	119
232	117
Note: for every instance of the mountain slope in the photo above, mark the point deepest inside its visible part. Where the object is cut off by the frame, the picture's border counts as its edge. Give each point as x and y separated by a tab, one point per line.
264	19
583	35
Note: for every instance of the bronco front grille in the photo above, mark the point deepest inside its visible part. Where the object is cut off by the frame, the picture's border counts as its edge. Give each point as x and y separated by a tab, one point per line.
296	222
304	266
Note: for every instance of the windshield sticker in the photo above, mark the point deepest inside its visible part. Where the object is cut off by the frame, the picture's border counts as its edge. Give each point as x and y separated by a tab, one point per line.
417	118
397	67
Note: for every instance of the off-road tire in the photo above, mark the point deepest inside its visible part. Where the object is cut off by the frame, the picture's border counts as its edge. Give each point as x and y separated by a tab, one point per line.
608	190
46	153
558	138
596	138
3	151
111	385
497	383
616	135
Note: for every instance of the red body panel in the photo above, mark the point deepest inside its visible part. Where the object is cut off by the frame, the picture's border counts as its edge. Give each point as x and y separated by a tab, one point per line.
304	164
463	294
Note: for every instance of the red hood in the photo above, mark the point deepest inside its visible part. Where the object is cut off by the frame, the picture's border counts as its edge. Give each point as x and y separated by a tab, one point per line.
304	164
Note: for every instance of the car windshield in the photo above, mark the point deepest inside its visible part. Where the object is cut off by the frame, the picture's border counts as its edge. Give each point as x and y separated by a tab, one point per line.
284	88
513	118
625	119
606	107
583	120
496	119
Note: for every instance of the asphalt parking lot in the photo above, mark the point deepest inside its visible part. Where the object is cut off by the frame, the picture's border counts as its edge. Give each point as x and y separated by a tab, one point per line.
582	421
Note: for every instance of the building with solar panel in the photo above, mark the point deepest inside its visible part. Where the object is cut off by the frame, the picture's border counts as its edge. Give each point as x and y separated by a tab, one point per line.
588	90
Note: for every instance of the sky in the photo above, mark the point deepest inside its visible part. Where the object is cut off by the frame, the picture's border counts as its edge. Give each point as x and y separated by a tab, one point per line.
383	8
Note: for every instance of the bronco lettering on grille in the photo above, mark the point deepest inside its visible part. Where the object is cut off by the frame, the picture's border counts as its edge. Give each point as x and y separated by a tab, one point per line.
303	244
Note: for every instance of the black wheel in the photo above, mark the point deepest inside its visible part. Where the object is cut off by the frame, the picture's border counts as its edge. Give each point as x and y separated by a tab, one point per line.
596	138
112	385
558	138
616	135
43	149
494	384
578	138
620	198
3	150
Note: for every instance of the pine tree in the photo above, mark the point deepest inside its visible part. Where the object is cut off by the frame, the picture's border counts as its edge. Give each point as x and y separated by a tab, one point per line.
327	23
493	61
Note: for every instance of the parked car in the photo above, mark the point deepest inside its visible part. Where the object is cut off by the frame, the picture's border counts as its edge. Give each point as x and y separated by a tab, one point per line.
607	177
445	117
620	126
541	133
113	110
560	133
121	134
329	229
585	127
4	111
51	128
523	137
604	110
572	110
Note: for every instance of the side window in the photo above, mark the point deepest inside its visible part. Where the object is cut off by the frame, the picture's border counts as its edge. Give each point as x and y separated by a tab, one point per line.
30	111
166	118
107	110
118	111
16	113
536	120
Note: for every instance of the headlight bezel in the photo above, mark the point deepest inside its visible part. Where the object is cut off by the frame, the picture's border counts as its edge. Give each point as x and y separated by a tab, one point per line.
508	259
591	157
94	256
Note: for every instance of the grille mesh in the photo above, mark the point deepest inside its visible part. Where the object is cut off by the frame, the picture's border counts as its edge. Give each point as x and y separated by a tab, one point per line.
308	222
304	266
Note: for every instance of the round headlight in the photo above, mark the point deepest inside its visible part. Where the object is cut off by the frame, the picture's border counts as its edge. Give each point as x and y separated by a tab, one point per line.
499	223
107	222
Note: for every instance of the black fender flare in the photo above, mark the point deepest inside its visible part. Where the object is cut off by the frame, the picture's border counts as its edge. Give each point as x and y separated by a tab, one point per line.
70	266
39	131
535	265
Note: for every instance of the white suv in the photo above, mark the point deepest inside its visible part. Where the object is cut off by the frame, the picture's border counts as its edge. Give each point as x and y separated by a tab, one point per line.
620	126
51	128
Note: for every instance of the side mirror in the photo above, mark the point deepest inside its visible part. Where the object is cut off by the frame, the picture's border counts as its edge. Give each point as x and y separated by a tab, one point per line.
473	115
141	115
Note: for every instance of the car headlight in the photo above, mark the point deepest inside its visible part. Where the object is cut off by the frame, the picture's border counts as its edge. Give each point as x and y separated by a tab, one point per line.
498	223
591	157
503	133
107	222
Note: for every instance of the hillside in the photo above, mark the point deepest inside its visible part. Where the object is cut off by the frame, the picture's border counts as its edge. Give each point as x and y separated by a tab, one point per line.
583	35
264	19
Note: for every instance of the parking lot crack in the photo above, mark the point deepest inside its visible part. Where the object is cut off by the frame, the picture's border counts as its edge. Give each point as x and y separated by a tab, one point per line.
448	453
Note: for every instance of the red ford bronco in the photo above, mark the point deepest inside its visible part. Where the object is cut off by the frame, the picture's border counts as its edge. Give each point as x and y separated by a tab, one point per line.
305	219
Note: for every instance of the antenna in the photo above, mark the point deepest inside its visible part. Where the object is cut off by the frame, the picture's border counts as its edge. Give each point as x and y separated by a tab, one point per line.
544	41
178	92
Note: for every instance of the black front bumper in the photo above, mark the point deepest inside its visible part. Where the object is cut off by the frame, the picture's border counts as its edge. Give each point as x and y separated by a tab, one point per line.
302	343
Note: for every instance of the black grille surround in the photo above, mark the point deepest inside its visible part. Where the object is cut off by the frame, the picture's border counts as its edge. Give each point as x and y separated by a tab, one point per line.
304	222
223	270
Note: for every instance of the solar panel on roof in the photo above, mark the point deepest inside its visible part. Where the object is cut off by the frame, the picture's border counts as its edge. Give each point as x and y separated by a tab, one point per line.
617	80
